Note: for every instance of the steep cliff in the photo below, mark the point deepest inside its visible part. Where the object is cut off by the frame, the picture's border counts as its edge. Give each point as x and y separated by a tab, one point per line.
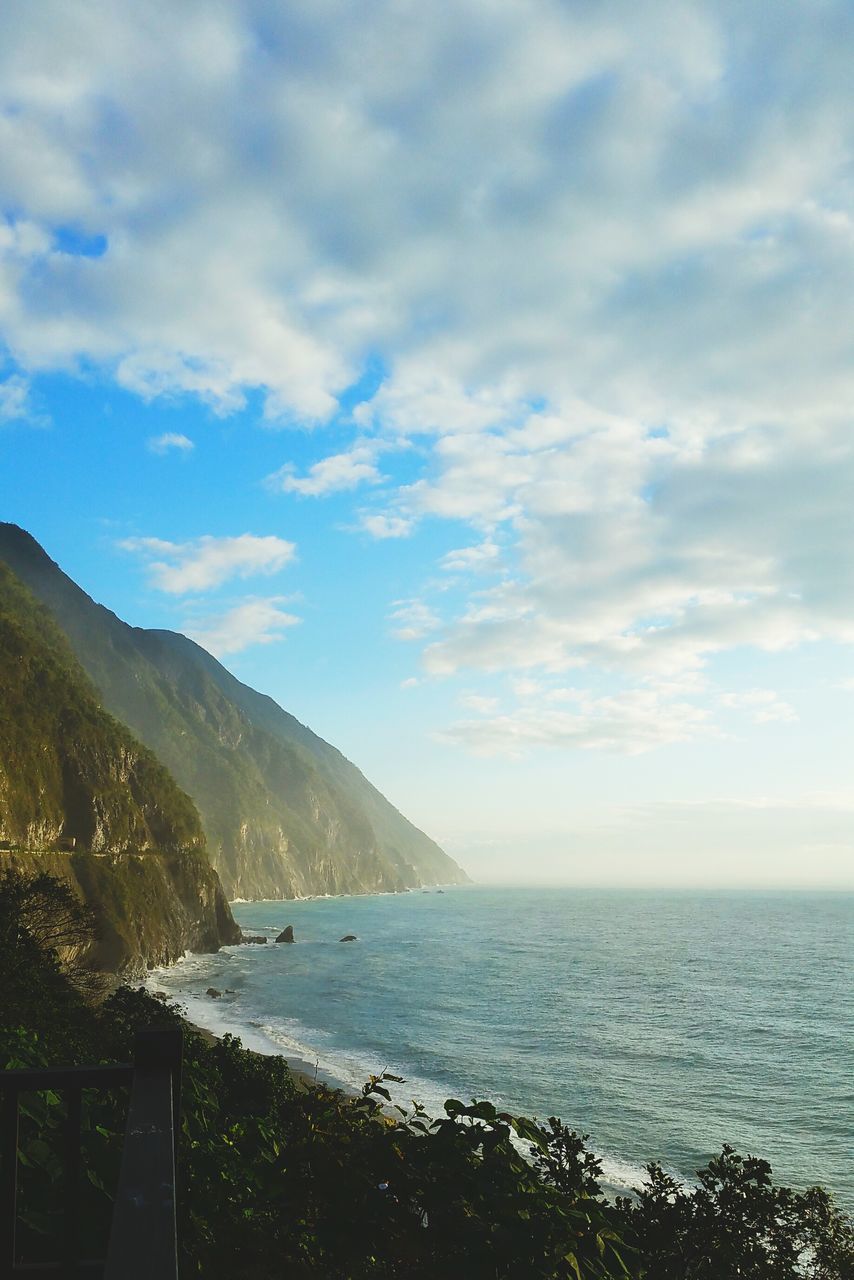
284	812
132	843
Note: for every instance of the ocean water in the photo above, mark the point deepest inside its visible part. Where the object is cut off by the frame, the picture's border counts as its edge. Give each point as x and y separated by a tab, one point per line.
660	1023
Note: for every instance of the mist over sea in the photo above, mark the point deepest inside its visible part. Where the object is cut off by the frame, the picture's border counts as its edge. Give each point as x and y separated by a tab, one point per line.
662	1023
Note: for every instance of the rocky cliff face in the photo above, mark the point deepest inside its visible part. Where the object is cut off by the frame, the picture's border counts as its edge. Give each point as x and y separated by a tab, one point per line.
150	908
284	813
70	775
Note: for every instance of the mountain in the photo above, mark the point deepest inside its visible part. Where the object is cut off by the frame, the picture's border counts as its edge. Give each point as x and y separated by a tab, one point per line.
82	798
285	814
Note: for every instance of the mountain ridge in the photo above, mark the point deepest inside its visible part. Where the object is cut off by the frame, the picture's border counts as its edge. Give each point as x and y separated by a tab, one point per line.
284	812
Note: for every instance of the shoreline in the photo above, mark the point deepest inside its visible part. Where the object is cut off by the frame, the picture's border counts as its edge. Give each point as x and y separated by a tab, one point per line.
253	1038
215	1018
468	960
438	887
305	1076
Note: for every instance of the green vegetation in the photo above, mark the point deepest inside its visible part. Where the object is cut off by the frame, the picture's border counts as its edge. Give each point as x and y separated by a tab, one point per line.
69	771
284	812
277	1180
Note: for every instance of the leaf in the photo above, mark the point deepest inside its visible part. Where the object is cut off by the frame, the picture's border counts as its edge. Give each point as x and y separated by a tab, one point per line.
482	1111
530	1131
573	1262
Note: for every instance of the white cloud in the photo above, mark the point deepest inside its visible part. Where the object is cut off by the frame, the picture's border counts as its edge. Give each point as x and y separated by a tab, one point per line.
257	620
386	526
605	258
420	401
763	705
340	471
207	562
413	618
479	702
170	440
542	224
471	559
15	402
627	723
637	553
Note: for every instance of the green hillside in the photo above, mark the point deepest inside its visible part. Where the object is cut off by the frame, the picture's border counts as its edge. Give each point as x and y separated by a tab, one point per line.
285	814
73	777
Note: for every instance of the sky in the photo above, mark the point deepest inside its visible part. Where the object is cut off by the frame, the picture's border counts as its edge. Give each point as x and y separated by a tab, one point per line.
477	380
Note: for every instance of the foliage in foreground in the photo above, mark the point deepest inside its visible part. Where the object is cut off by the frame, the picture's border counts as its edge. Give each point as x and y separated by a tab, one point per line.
281	1180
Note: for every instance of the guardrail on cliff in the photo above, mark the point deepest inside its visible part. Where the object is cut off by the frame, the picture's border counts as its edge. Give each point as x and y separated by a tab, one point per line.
143	1237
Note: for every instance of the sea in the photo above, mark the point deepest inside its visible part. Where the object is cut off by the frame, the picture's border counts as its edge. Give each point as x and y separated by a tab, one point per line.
660	1023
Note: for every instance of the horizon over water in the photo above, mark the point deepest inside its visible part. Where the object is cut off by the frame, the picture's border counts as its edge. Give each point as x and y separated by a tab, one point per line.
661	1022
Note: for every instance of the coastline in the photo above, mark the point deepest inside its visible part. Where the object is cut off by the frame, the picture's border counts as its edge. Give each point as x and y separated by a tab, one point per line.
209	1017
305	1076
215	1017
510	995
205	1015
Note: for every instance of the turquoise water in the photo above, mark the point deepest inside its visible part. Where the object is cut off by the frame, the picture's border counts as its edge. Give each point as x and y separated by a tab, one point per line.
661	1023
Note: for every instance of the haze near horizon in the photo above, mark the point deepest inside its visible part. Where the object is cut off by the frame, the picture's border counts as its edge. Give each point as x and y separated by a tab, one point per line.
477	383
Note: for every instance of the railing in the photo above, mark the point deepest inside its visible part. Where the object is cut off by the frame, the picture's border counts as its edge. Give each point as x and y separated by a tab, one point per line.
143	1239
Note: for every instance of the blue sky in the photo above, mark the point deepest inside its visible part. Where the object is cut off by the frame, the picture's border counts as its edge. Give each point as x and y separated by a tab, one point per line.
477	382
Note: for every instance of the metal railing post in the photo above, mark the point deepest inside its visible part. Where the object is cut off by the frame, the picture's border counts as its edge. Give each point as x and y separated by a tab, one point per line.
9	1182
143	1237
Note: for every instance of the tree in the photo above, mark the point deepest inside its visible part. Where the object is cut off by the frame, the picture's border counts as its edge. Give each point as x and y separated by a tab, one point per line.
41	913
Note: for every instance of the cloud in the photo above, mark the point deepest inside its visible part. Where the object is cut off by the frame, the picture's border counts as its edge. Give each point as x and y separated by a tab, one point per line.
606	261
386	526
14	399
257	620
207	562
168	441
763	705
649	555
340	471
611	203
414	619
471	559
628	723
479	702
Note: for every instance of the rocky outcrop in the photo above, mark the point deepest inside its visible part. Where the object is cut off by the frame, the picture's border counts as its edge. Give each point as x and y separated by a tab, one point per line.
349	937
149	908
287	934
82	799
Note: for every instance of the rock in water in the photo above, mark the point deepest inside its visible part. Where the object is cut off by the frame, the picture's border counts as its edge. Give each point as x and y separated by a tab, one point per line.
213	993
349	937
249	938
287	934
